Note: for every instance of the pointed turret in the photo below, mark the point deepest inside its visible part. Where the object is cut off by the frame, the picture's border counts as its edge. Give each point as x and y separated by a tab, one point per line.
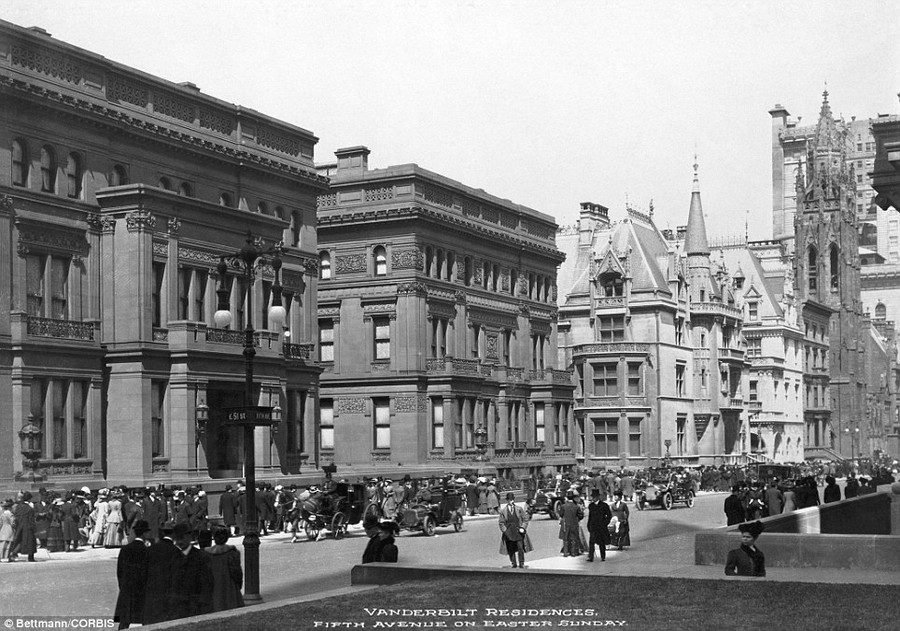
695	240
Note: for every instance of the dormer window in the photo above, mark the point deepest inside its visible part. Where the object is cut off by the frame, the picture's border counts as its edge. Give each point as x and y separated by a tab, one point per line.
612	285
753	311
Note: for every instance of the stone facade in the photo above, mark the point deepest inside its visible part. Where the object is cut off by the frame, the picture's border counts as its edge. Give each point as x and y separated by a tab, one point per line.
437	322
120	191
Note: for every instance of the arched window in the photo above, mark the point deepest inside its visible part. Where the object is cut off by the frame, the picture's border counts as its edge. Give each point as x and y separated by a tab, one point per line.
262	208
279	212
513	281
165	184
380	257
812	271
495	278
225	200
429	258
834	265
439	264
48	169
19	163
324	265
451	266
118	176
612	285
485	274
880	311
468	271
73	175
186	189
296	224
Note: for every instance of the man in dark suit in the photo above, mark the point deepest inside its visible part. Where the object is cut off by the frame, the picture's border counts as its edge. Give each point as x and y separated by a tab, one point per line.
227	506
599	517
154	512
192	577
734	508
160	560
131	571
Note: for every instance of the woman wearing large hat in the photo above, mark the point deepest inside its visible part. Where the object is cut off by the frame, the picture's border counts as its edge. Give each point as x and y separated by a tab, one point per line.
747	560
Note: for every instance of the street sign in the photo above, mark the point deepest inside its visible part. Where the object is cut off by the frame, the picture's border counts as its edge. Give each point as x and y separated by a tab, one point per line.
250	415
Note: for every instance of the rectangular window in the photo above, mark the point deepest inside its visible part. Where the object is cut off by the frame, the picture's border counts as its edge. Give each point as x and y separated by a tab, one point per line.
754	347
606	382
635	380
264	303
606	438
382	328
753	395
59	288
507	346
537	352
191	293
34	284
326	423
296	402
184	293
634	436
476	341
382	423
611	328
200	278
539	422
679	331
159	272
680	436
679	379
437	423
39	405
157	418
326	340
753	310
80	390
60	433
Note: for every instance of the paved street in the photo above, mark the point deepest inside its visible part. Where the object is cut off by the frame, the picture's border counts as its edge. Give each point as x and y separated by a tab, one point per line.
85	584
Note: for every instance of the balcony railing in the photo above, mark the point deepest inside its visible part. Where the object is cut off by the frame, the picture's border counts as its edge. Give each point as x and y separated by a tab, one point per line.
453	365
731	353
66	329
299	351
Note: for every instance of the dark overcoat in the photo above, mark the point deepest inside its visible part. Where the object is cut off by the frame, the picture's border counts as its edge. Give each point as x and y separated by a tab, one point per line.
161	557
226	507
192	584
599	516
225	564
131	571
24	536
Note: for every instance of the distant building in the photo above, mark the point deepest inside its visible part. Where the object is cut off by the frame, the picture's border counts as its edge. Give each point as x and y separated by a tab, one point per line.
437	327
119	192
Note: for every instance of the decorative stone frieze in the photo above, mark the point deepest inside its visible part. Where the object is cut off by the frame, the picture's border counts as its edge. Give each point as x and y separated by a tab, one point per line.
414	403
379	194
292	281
43	238
412	288
351	405
407	259
47	63
198	256
122	89
160	248
350	263
277	141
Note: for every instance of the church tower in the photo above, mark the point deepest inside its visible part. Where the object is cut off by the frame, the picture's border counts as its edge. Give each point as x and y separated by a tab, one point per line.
827	286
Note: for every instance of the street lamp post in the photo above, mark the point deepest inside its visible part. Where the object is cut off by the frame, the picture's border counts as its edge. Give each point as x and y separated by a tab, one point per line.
853	434
250	415
668	443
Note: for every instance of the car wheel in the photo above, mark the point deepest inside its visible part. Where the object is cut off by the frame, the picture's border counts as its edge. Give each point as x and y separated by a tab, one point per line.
457	522
428	525
555	511
666	501
690	499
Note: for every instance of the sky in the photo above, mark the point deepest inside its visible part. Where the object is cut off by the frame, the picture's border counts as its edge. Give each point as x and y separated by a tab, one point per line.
547	104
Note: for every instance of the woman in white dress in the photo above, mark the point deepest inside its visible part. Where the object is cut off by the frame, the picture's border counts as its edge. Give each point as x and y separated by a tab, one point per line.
114	536
98	518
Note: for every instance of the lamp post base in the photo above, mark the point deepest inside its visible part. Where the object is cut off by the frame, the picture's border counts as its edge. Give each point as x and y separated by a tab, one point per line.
251	566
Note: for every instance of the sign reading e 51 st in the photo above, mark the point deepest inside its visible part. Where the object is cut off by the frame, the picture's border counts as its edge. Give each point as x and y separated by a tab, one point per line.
251	415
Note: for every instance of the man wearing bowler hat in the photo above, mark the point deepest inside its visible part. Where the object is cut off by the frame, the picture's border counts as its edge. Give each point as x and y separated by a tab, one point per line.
192	578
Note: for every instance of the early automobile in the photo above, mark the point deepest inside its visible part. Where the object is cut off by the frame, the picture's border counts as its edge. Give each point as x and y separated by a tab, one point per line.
434	507
334	510
665	488
547	499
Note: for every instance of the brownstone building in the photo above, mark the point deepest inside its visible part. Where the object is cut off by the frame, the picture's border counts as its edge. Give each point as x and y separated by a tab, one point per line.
437	326
120	191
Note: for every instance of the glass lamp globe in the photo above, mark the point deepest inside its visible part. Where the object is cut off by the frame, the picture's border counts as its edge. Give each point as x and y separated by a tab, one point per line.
277	315
222	318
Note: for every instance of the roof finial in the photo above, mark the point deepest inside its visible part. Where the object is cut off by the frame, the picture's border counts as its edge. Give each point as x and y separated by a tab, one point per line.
747	226
696	178
825	93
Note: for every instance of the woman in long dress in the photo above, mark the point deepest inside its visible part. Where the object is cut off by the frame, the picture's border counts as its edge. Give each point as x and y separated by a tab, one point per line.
114	536
54	531
7	523
620	532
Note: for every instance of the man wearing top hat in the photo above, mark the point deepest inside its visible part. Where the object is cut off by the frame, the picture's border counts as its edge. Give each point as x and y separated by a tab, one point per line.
227	505
153	511
192	577
599	517
514	540
131	572
161	557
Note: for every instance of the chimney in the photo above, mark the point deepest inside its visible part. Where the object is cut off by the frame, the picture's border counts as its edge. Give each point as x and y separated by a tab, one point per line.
353	160
593	217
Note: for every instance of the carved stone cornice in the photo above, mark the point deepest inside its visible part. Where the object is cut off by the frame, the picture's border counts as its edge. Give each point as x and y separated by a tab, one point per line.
107	224
174	225
40	237
139	220
418	289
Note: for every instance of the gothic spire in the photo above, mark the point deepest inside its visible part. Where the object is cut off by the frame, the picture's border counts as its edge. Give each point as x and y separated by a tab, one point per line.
695	239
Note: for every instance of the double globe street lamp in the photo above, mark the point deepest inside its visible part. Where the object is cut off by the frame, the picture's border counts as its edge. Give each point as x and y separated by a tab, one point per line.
247	262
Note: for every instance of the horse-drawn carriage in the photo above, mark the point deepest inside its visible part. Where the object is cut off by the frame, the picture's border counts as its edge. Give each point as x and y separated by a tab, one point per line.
332	511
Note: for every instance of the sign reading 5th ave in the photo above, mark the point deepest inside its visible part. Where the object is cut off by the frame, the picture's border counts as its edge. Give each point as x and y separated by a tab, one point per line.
251	415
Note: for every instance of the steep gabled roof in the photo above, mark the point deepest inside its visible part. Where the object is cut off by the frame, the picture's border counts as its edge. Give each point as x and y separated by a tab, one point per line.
695	239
